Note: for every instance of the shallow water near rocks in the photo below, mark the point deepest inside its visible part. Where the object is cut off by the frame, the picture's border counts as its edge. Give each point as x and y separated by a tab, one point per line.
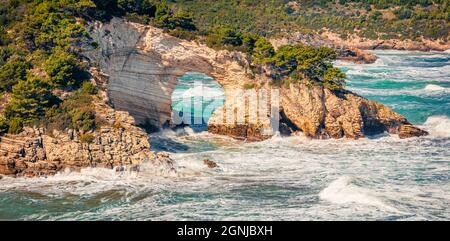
284	178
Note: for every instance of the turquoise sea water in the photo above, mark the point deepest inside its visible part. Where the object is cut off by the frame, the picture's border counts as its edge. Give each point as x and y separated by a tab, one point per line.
195	98
414	84
292	178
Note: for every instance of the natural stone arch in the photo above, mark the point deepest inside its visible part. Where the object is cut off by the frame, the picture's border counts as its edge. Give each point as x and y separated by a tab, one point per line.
144	65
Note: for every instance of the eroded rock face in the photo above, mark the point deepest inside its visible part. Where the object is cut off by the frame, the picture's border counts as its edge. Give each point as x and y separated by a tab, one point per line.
34	153
141	66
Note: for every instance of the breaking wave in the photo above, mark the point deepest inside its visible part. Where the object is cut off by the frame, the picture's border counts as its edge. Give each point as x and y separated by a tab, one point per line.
438	126
343	191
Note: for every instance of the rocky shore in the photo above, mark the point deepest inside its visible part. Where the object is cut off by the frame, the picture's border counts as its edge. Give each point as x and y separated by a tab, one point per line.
141	66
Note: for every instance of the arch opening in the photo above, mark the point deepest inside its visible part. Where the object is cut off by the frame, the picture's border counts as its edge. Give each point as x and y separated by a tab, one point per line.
194	100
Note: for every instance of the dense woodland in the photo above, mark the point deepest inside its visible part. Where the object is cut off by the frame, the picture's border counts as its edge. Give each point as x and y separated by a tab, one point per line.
41	42
404	19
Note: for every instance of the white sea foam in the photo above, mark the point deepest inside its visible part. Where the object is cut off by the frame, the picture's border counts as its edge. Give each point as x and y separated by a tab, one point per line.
438	126
200	91
342	191
434	88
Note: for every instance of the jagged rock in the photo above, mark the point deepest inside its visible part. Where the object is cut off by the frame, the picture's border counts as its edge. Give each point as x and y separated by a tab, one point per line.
210	163
321	113
407	131
356	56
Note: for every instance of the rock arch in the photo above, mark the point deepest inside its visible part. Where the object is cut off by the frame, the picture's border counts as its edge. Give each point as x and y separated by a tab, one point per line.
144	64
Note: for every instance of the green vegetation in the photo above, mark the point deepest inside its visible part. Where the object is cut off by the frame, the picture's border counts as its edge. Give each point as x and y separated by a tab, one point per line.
12	71
294	62
76	112
306	63
154	12
30	98
406	19
40	43
4	125
257	47
64	69
15	126
263	51
86	138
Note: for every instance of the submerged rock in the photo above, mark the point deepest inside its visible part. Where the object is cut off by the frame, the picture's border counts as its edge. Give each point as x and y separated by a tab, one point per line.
210	163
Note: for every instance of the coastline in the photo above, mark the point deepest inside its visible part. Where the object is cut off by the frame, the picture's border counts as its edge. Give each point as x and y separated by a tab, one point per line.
355	49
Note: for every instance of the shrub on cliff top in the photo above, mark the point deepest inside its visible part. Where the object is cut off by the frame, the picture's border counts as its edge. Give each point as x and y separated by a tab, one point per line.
311	64
263	51
89	88
75	113
14	70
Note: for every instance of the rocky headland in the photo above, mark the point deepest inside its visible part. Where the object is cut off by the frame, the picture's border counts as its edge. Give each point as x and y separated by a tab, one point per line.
139	69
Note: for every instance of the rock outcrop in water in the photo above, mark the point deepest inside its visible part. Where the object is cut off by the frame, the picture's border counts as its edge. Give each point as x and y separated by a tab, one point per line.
144	63
319	112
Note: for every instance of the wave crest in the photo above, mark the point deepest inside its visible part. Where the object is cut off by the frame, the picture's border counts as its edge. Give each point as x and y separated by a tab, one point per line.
342	191
438	126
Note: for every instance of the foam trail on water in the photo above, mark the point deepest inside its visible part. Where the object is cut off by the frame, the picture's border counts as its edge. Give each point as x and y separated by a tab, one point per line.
438	126
342	191
436	88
